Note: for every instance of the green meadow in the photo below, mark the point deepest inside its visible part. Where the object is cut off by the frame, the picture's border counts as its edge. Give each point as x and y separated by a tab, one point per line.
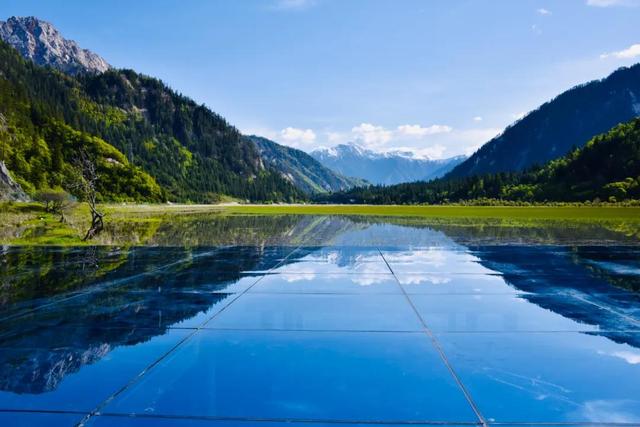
30	224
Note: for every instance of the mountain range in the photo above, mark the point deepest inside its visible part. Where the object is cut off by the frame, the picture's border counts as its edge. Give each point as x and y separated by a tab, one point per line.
151	143
383	168
301	169
606	168
172	147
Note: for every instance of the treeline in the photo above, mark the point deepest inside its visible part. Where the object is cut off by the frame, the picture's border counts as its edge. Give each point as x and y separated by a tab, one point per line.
165	146
607	169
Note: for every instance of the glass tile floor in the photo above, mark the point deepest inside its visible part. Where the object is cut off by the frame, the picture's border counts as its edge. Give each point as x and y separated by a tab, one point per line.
319	336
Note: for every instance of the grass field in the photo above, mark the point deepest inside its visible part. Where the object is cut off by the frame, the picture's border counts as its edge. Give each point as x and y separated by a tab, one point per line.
539	212
29	224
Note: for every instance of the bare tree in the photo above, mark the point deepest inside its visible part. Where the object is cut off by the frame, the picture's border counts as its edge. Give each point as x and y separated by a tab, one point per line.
86	186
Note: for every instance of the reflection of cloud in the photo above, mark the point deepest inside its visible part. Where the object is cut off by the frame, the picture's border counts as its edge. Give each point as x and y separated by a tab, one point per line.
432	257
609	411
417	279
631	357
292	276
369	280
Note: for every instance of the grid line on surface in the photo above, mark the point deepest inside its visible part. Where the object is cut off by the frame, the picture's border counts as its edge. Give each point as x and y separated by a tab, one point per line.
135	379
438	348
294	421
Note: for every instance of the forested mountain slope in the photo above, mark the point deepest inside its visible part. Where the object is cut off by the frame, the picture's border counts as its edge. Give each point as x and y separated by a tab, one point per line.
565	122
301	169
161	136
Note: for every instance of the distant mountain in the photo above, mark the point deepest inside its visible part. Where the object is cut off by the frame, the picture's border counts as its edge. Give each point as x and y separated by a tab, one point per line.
382	168
301	169
569	120
40	42
605	168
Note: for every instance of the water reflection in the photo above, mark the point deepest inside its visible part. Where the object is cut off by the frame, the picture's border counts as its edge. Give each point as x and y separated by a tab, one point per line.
72	316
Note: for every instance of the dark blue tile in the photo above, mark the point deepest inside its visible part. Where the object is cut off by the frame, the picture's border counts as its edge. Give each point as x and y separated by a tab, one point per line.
301	375
114	308
148	421
26	419
549	377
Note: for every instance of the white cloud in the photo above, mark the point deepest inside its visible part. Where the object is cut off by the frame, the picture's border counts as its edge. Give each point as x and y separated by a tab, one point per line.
294	4
477	119
297	137
419	131
337	137
434	141
518	116
628	53
372	135
543	11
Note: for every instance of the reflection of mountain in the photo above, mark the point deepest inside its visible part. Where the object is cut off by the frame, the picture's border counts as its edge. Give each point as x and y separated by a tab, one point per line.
154	289
564	280
64	308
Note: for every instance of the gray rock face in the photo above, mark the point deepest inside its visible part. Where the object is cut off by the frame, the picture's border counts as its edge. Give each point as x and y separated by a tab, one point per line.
9	189
40	42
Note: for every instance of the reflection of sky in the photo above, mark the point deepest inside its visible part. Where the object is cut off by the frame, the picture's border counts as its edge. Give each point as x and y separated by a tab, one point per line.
434	259
554	374
609	411
362	280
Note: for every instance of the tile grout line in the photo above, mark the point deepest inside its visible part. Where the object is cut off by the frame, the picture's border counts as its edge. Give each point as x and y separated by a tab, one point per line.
439	349
322	421
109	399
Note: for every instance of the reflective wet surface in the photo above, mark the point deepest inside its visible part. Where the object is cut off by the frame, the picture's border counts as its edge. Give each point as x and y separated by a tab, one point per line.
427	328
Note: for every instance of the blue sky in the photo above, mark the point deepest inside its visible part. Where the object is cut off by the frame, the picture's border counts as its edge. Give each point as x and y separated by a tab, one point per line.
435	77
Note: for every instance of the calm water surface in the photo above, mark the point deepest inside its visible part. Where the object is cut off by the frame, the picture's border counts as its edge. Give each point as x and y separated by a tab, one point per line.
260	321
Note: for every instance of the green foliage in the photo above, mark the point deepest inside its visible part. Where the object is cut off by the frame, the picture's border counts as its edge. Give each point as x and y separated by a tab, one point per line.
150	143
54	200
606	168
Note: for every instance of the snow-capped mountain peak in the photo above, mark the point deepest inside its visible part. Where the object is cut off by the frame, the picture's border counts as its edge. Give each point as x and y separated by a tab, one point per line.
390	167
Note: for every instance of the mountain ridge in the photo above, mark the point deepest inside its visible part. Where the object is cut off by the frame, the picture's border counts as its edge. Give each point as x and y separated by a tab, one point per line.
607	167
386	168
40	42
553	129
301	169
